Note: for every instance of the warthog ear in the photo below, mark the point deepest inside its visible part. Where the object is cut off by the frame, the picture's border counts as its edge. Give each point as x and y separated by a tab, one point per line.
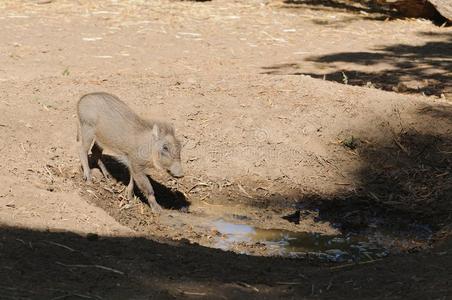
155	131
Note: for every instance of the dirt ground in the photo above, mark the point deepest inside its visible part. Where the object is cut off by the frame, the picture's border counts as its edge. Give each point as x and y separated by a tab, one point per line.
337	110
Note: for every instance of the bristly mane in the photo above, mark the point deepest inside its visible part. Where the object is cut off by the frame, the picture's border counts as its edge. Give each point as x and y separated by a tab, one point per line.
164	127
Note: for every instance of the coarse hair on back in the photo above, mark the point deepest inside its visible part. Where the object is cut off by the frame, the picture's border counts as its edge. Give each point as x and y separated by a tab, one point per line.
121	109
164	127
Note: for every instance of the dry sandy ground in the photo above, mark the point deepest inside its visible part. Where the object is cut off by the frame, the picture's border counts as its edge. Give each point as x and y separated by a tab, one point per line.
256	92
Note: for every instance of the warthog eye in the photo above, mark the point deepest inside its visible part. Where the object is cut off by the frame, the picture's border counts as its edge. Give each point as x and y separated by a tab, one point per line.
165	149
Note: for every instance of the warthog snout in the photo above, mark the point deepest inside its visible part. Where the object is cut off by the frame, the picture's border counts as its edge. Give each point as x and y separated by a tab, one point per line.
176	170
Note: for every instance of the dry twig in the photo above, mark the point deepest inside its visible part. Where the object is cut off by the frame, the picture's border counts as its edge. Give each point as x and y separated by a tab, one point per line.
91	266
61	245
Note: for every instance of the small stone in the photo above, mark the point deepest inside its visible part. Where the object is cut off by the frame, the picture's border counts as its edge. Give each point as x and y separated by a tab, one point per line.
215	232
184	241
335	252
184	209
338	240
337	255
92	237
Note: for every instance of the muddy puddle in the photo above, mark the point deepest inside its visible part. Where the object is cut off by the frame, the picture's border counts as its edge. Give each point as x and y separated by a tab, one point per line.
263	232
352	247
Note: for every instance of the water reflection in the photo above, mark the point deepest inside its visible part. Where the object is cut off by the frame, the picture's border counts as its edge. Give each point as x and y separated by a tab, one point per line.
300	244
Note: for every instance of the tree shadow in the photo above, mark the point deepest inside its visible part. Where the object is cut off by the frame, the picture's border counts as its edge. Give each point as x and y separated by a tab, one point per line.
361	10
438	111
367	9
405	180
64	265
402	68
166	197
357	6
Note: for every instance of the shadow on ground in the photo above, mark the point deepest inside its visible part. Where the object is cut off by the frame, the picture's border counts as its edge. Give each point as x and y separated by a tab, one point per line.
368	10
166	197
362	9
425	68
404	183
353	6
405	179
56	265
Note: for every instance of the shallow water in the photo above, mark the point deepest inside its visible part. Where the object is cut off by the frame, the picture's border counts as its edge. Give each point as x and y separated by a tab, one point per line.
300	244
